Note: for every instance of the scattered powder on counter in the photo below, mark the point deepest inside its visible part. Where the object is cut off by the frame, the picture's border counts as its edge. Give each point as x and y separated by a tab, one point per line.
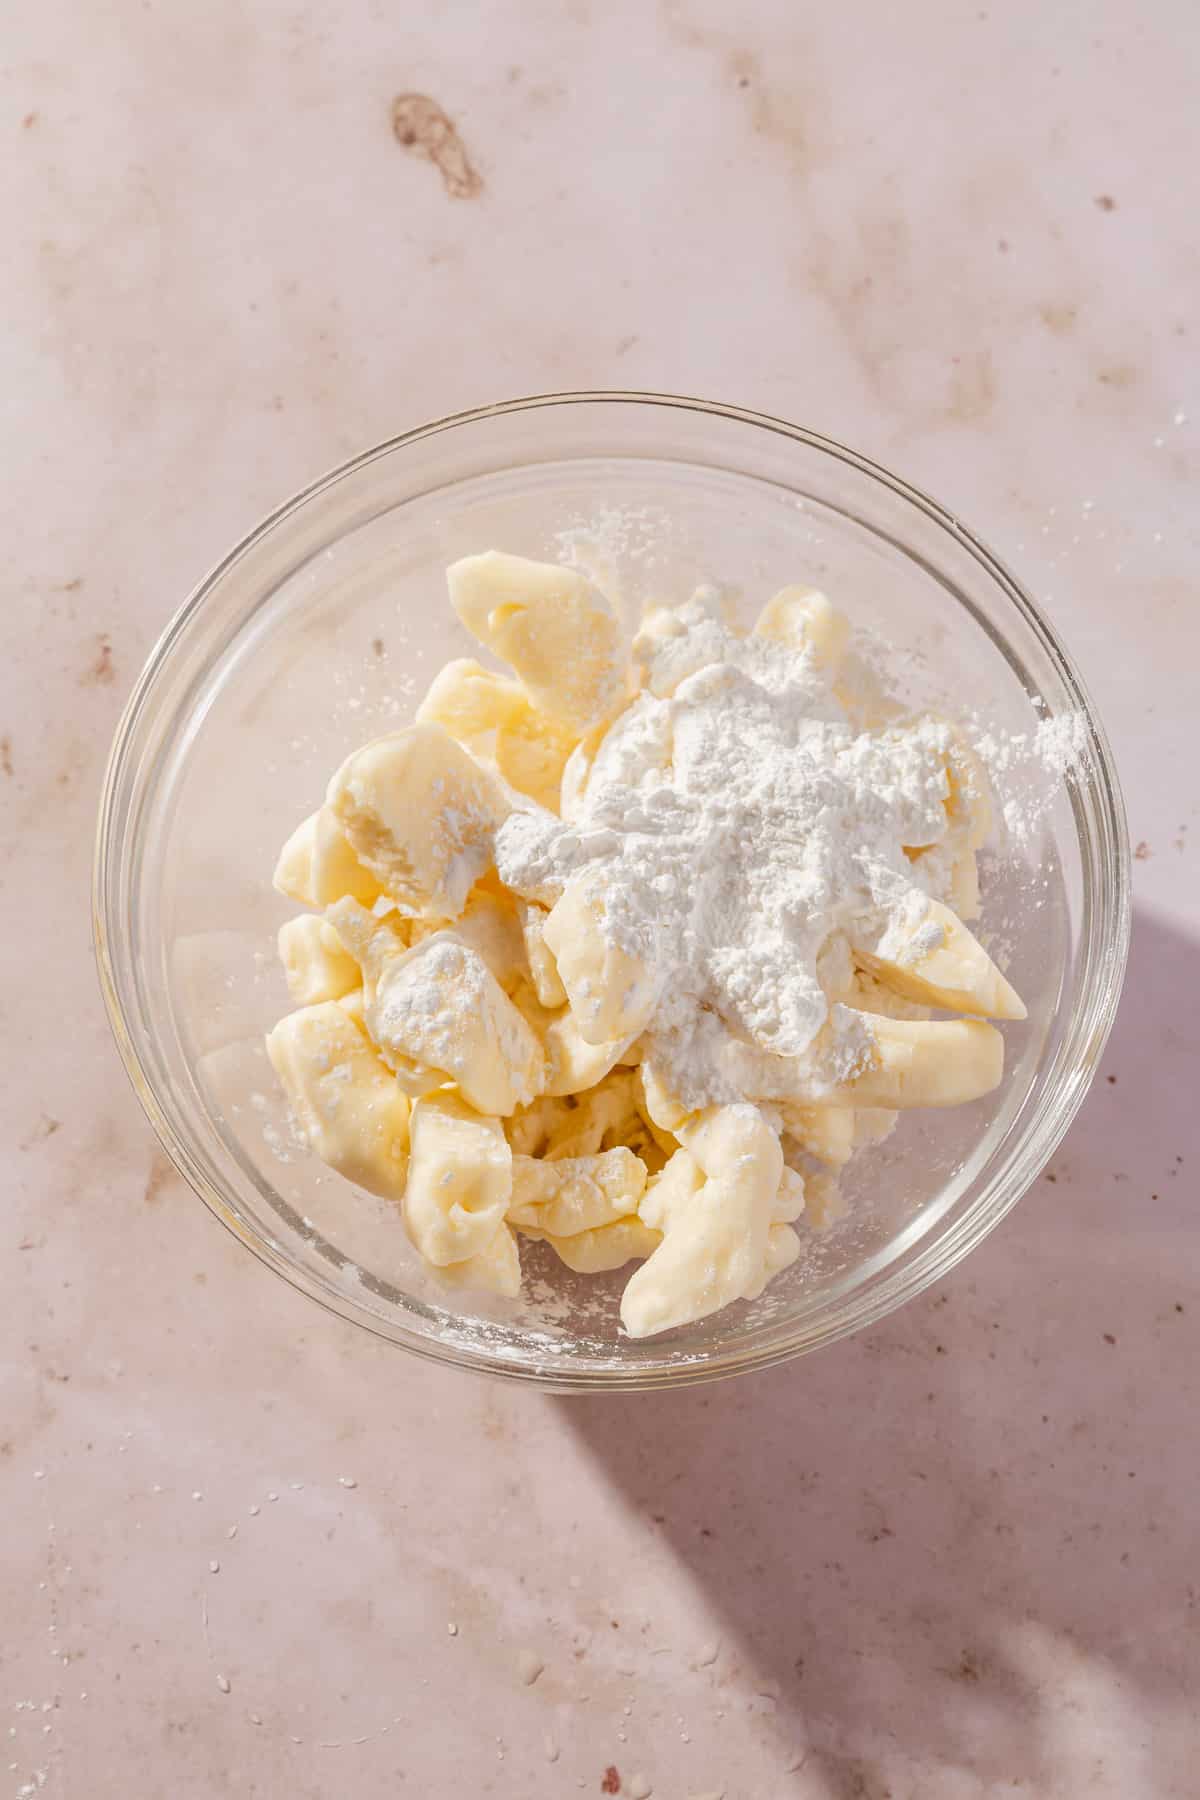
734	817
223	1683
347	1481
640	1787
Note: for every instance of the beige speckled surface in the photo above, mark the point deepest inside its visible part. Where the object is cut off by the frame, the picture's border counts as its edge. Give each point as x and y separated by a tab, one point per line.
954	1558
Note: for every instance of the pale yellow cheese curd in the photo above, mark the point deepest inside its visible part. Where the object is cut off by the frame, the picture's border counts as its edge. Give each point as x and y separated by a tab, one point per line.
475	1054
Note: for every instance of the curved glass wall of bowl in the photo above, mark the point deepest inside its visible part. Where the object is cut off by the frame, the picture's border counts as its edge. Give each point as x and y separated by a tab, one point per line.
324	629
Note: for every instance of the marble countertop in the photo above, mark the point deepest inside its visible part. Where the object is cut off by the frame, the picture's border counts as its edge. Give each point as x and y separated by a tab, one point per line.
248	1550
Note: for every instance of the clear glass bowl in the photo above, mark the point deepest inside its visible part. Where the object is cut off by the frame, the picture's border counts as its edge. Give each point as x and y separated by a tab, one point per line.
324	628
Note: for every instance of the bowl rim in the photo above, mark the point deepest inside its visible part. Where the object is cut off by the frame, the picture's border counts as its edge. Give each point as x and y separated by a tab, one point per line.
1113	913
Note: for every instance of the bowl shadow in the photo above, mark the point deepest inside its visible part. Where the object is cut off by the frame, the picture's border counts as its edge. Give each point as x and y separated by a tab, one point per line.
965	1541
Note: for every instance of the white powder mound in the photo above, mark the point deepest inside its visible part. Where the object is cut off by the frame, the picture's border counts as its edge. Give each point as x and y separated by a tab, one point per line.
734	820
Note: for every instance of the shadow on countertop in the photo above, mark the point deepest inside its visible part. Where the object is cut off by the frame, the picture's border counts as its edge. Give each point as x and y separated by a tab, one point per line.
964	1543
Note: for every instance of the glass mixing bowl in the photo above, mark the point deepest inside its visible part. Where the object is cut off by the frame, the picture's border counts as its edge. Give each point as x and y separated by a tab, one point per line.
323	629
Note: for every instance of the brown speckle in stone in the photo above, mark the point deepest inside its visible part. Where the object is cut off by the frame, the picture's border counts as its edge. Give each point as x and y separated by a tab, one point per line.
972	388
101	671
1142	853
377	646
420	125
1109	1338
773	115
1059	319
968	1668
1051	1178
1106	203
1179	1306
1112	1081
855	1780
1117	375
45	1128
611	1782
161	1171
6	761
29	119
1002	245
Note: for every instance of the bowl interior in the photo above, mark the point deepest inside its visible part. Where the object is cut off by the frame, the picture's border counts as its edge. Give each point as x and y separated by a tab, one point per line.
326	629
